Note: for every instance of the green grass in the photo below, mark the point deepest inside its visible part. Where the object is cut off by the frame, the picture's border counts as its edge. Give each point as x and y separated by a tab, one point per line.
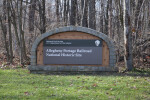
19	84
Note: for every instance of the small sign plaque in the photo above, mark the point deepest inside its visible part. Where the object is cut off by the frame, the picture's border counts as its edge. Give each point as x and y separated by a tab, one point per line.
82	52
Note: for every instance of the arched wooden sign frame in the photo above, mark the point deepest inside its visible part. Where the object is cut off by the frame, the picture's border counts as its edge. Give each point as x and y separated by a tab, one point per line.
39	67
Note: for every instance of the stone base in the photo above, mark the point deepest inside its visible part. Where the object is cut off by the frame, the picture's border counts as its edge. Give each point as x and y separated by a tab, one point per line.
48	69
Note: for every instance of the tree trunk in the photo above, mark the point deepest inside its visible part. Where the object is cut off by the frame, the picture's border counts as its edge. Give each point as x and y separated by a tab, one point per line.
9	30
14	22
23	56
73	12
101	18
110	18
92	12
65	12
78	12
32	9
85	14
42	16
4	29
57	10
127	35
106	18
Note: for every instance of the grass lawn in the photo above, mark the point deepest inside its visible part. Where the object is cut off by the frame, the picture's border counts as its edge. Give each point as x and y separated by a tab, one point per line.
19	84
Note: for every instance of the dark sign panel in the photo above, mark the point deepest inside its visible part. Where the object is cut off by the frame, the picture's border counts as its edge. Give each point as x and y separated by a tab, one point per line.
72	52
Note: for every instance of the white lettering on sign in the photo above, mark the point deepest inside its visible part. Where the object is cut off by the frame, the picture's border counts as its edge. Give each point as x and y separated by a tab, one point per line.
67	52
48	54
53	51
72	52
84	51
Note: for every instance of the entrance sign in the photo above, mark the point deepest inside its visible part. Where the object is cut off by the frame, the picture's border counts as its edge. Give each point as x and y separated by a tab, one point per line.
72	52
72	49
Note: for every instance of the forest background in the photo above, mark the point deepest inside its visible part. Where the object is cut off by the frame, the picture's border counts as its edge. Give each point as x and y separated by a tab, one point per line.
21	21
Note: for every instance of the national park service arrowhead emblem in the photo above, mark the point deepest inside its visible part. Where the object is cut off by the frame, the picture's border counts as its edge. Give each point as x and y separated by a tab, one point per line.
97	43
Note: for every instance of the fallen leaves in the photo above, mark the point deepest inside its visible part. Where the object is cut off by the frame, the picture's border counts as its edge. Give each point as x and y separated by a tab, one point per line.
71	85
134	87
114	84
111	89
78	77
94	85
26	93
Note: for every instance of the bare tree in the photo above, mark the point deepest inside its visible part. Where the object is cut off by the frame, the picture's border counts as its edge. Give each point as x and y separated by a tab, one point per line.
85	13
32	9
127	35
4	28
103	15
73	15
42	16
65	12
5	17
92	12
23	56
110	18
57	2
9	31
